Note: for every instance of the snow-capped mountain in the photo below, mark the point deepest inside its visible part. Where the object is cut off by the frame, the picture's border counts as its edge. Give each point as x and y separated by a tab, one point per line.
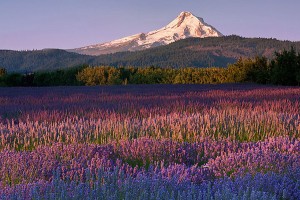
184	26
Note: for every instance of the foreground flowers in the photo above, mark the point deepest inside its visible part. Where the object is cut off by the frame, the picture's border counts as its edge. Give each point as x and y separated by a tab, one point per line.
183	142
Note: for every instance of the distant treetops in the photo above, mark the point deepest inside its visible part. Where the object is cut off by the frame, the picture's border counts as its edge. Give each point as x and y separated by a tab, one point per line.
284	69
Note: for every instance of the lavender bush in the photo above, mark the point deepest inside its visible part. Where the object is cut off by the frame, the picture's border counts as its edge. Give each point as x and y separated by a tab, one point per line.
109	186
150	142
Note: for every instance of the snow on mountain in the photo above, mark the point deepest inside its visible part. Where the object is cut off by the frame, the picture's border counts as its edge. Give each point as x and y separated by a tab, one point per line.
184	26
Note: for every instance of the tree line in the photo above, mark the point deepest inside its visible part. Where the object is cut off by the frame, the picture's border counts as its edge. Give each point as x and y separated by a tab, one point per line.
283	69
43	78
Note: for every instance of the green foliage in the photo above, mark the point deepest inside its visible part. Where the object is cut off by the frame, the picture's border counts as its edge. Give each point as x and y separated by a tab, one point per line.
2	71
152	75
51	78
250	70
297	74
260	71
2	74
113	76
13	79
285	68
58	77
100	76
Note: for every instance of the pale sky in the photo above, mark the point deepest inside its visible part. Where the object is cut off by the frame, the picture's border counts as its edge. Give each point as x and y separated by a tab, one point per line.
38	24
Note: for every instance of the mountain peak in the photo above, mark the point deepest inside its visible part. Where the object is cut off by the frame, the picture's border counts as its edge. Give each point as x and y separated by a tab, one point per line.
185	25
185	13
183	16
186	18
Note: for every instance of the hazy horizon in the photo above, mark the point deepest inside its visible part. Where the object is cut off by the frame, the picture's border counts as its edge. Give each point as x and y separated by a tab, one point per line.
75	23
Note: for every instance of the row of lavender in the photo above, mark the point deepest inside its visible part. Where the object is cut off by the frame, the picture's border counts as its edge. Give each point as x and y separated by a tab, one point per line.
102	115
109	185
150	142
214	168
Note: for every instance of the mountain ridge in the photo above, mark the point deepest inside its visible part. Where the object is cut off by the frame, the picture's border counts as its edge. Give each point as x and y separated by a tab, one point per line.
185	25
190	52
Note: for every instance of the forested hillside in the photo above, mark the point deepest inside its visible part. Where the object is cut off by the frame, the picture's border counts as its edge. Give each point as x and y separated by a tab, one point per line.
200	52
40	60
192	52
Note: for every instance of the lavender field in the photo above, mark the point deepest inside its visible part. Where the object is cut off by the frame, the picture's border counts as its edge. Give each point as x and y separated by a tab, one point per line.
234	141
